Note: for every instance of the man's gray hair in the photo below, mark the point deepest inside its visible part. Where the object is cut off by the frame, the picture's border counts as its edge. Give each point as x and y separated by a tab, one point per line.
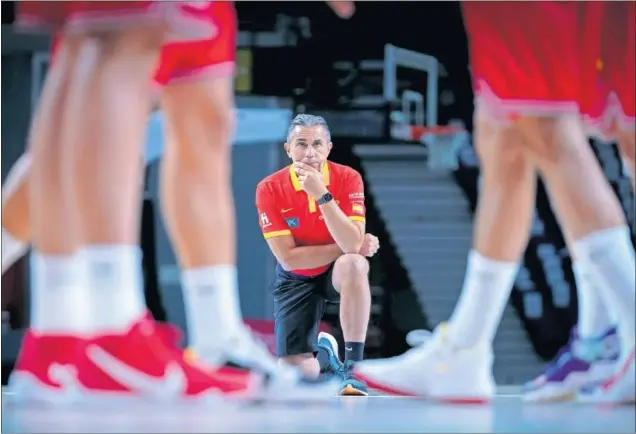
307	120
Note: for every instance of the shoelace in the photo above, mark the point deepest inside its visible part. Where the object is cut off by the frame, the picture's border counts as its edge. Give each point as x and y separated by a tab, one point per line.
345	370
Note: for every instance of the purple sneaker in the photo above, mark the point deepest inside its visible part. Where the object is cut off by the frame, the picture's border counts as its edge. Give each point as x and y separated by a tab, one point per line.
581	361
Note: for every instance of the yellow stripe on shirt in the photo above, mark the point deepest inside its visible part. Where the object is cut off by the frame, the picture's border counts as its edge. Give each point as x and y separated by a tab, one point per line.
274	234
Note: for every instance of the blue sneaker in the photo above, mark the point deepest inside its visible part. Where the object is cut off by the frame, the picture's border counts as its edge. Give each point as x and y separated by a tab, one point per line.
330	363
328	354
351	386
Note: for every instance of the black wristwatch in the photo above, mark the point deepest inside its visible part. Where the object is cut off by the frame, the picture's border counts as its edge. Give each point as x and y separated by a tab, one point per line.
326	198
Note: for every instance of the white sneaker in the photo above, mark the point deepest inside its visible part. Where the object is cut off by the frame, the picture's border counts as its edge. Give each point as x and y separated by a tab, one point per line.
434	370
618	389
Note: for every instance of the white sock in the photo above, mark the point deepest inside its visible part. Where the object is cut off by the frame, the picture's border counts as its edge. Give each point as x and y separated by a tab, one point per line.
610	254
115	286
486	291
12	250
594	315
59	300
211	300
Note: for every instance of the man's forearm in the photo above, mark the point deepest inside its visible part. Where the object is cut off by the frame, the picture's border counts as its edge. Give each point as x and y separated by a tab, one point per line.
343	231
306	257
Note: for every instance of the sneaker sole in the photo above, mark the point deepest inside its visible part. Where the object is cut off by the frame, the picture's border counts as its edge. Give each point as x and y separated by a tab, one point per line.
349	390
390	390
300	393
612	392
25	387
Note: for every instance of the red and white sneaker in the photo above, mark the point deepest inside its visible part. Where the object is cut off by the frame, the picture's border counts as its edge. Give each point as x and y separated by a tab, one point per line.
38	370
620	388
137	364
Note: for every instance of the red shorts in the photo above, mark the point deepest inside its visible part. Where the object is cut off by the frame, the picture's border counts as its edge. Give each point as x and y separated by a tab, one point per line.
184	19
526	56
613	103
194	60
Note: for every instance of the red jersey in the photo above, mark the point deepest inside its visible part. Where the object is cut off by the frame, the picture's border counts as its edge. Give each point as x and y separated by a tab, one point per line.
285	209
209	58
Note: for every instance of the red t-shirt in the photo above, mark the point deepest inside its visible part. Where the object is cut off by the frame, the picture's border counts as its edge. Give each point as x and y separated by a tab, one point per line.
285	209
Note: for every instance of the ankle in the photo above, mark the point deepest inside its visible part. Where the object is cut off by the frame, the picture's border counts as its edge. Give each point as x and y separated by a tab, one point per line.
354	351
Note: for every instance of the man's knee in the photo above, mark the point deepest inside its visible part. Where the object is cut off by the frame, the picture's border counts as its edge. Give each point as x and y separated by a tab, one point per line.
306	363
351	267
551	139
296	359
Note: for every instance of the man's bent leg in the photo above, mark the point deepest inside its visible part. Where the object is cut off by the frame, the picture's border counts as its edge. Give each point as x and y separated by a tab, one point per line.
198	160
350	278
16	222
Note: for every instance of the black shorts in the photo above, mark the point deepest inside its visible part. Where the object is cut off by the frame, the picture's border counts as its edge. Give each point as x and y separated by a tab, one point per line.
299	303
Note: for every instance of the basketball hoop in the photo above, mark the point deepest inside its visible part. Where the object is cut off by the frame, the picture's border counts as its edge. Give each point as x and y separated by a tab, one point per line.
443	142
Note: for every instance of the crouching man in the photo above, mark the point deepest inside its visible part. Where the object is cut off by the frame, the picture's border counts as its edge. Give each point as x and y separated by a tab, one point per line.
312	215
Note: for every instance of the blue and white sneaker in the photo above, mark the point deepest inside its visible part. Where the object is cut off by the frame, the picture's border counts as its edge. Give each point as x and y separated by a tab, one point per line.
350	386
330	362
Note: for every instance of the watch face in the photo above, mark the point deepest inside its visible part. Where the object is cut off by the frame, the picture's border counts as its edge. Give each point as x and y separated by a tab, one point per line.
326	198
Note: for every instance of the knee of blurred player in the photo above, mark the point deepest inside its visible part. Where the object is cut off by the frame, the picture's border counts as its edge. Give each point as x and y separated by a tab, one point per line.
202	121
551	139
351	271
500	150
306	363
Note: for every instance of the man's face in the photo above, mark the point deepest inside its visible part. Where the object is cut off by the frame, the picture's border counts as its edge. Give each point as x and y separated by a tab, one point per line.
309	145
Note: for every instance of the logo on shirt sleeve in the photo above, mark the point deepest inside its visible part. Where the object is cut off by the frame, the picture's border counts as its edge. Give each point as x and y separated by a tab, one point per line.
356	196
293	222
264	221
